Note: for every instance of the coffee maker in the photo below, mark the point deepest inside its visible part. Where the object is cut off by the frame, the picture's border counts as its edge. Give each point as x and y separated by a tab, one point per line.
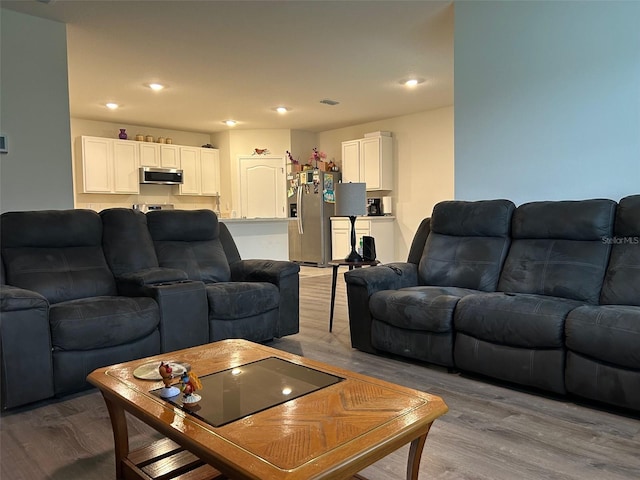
374	207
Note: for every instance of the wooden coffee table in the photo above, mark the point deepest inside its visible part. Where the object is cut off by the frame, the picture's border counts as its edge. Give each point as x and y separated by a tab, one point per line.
331	433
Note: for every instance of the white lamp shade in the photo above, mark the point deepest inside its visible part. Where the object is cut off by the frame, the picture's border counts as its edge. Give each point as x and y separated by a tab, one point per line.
351	199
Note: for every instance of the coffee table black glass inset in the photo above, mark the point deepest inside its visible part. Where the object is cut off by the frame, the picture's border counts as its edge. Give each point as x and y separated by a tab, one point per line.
247	389
337	264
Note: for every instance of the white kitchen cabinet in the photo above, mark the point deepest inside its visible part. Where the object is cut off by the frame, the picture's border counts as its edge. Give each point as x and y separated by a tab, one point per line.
380	228
159	155
210	171
109	166
169	156
369	160
200	171
149	154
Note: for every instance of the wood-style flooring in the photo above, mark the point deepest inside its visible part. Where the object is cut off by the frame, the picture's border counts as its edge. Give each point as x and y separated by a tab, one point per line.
492	432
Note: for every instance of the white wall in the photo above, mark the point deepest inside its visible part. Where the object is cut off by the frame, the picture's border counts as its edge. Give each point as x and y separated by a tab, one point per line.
34	114
424	165
547	100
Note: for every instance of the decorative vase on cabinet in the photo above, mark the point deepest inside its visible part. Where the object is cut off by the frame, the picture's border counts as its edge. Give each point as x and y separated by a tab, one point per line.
123	134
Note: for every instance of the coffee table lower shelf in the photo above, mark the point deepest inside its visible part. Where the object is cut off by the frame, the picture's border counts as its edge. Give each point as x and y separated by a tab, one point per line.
167	460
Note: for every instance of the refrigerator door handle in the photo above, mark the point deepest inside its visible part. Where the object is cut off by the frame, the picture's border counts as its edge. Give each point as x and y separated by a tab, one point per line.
299	210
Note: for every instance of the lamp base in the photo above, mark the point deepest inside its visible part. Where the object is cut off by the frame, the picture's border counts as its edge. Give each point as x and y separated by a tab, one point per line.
353	257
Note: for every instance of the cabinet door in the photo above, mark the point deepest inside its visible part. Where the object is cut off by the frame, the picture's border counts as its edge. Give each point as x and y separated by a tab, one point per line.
149	154
210	171
190	164
370	171
351	161
169	156
97	165
125	167
340	243
341	236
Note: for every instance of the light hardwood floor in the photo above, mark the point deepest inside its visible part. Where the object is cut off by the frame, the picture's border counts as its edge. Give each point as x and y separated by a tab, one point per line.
491	432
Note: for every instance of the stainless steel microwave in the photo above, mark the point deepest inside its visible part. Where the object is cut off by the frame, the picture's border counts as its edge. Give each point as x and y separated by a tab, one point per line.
162	176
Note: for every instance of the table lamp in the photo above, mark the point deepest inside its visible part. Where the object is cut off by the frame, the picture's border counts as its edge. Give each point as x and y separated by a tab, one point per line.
351	201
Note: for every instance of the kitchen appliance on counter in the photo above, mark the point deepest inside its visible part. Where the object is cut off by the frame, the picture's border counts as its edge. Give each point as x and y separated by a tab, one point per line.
148	207
311	203
374	207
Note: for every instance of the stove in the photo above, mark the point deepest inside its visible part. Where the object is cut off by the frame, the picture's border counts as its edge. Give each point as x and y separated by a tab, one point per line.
148	207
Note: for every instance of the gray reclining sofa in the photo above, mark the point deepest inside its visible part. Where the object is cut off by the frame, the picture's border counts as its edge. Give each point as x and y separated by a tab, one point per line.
80	290
545	295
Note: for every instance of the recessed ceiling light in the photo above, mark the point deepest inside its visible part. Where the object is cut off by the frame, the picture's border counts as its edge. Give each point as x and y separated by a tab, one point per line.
282	109
111	106
156	86
230	123
412	82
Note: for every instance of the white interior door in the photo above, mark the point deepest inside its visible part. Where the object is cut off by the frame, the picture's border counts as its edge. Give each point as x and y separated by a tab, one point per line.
262	187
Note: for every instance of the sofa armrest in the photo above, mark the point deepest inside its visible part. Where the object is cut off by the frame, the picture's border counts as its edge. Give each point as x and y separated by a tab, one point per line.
364	282
184	313
26	364
286	276
271	271
131	284
390	276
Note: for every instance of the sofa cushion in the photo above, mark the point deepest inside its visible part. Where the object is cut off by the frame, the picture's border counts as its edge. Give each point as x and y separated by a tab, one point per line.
101	322
609	333
467	244
557	249
418	308
518	320
621	285
56	253
127	243
234	300
189	241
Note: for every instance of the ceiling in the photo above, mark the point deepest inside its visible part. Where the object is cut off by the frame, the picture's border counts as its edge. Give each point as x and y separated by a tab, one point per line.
240	59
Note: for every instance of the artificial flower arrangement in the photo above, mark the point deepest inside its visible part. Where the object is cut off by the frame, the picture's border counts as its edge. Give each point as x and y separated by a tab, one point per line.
317	156
296	167
292	160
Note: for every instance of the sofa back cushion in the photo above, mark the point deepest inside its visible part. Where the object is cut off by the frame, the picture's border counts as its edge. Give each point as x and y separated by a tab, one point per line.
189	240
56	253
126	241
622	281
557	249
467	244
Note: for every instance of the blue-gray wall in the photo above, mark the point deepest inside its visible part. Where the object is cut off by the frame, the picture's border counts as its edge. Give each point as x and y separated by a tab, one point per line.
34	114
547	100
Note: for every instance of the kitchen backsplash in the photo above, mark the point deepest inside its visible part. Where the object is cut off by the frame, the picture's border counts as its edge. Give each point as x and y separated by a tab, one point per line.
155	194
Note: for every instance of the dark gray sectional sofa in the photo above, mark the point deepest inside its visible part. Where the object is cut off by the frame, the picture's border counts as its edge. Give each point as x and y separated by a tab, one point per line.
545	295
80	290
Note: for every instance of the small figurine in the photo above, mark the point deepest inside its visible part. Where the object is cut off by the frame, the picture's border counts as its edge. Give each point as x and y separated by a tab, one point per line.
166	372
190	383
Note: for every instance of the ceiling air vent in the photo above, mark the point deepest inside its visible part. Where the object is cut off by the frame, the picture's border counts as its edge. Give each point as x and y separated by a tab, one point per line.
327	101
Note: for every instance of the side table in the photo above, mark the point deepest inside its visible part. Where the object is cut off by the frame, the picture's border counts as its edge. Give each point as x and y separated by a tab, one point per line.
337	264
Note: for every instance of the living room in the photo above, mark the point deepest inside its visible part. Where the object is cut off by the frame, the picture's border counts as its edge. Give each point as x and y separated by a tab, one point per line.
545	108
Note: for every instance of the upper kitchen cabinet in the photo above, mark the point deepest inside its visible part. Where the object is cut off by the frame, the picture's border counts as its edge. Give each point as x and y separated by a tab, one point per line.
159	155
109	166
200	170
369	160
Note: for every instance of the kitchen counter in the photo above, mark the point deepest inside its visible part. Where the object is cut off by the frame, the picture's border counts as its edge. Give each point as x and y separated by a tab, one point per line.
265	238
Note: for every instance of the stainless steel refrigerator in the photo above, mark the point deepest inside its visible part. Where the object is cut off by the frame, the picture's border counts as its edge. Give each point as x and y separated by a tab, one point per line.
311	197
